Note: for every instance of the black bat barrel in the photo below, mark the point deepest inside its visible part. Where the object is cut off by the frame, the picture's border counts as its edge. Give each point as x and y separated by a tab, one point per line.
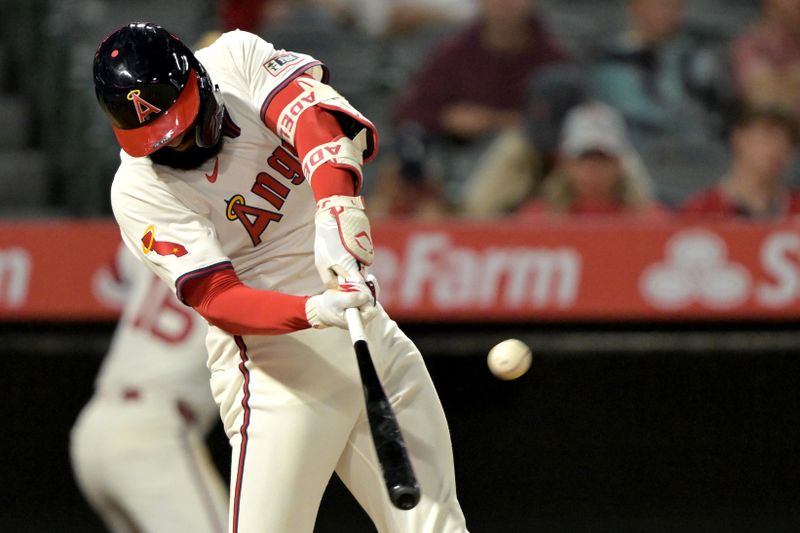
398	474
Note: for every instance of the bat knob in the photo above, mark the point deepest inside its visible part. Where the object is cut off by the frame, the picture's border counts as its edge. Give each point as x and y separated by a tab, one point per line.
404	497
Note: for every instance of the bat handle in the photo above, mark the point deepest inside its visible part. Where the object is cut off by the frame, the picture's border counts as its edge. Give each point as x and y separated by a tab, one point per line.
355	325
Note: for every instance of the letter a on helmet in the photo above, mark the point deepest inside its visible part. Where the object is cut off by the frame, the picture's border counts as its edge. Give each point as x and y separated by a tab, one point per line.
153	89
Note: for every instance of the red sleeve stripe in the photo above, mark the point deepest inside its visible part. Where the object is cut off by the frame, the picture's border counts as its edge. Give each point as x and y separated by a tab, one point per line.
199	273
296	74
237	492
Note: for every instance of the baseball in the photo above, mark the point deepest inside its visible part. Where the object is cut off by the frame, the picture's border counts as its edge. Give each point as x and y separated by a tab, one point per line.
509	359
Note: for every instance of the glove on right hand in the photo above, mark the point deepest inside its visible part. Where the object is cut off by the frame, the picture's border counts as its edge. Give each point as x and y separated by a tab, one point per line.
327	309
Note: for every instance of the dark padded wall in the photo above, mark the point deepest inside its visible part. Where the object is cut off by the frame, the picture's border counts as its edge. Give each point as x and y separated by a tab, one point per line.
635	442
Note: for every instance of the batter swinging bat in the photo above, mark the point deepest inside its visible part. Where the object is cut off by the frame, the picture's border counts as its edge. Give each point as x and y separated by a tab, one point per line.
389	444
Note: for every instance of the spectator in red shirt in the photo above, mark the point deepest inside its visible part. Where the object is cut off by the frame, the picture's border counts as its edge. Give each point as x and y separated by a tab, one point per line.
598	172
470	87
762	141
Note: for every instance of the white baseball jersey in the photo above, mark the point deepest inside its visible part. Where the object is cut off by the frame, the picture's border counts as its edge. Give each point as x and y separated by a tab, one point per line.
158	346
250	206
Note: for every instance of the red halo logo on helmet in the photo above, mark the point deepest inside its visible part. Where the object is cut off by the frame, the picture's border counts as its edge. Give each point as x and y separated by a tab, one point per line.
143	107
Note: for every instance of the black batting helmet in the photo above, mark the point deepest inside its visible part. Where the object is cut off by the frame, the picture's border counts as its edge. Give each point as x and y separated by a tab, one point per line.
153	89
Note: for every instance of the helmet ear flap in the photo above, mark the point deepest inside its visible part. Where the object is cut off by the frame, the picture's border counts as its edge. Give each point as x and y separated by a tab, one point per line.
211	112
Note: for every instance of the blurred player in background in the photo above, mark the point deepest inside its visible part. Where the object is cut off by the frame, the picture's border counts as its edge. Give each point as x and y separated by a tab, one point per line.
239	186
137	448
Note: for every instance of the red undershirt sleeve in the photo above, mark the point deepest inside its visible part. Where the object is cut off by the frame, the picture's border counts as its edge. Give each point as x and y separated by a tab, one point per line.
222	299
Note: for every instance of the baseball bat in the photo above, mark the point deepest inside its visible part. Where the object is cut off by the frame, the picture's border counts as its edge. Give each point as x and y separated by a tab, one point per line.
398	475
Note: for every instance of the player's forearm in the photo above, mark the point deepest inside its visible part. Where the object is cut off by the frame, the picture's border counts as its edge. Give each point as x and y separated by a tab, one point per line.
333	168
224	301
246	311
314	128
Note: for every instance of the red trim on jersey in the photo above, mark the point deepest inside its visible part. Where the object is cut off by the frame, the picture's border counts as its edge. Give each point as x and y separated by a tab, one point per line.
299	72
146	139
237	494
200	272
222	299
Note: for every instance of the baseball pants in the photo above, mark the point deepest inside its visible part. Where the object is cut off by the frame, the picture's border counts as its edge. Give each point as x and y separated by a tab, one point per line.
293	409
143	469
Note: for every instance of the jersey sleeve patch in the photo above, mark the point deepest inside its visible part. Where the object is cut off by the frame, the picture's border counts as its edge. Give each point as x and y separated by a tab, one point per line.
279	64
150	244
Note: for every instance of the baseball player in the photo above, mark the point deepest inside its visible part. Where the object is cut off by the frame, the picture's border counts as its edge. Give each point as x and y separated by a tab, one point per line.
238	185
137	448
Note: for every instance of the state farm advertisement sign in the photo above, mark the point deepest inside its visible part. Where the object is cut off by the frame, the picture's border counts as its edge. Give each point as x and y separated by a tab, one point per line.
471	271
599	271
48	270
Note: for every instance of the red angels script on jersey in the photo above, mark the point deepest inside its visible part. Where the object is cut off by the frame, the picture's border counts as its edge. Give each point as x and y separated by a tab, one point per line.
254	219
143	107
150	244
213	176
269	188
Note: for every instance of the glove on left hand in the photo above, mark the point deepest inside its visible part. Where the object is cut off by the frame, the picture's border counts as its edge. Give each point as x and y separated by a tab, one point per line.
343	238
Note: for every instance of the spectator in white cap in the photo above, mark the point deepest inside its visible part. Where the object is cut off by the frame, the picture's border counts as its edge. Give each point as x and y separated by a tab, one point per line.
598	172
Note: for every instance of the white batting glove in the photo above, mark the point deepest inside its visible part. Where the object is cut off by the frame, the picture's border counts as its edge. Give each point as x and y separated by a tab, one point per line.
327	309
343	240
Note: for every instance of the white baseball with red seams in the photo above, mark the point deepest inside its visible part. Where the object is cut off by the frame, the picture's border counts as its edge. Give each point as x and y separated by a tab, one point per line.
291	404
509	359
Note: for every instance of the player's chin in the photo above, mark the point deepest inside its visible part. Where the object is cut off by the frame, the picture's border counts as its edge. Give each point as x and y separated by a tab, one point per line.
187	143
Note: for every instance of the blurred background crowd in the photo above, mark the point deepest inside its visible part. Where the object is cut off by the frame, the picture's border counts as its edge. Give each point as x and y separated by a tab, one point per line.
486	108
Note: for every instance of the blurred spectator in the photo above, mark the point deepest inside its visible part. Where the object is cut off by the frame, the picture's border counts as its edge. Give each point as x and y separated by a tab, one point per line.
392	17
470	88
370	17
598	171
766	58
762	141
660	77
251	15
514	164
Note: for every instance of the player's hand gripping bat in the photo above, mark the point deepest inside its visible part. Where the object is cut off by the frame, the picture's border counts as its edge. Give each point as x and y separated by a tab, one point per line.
389	444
